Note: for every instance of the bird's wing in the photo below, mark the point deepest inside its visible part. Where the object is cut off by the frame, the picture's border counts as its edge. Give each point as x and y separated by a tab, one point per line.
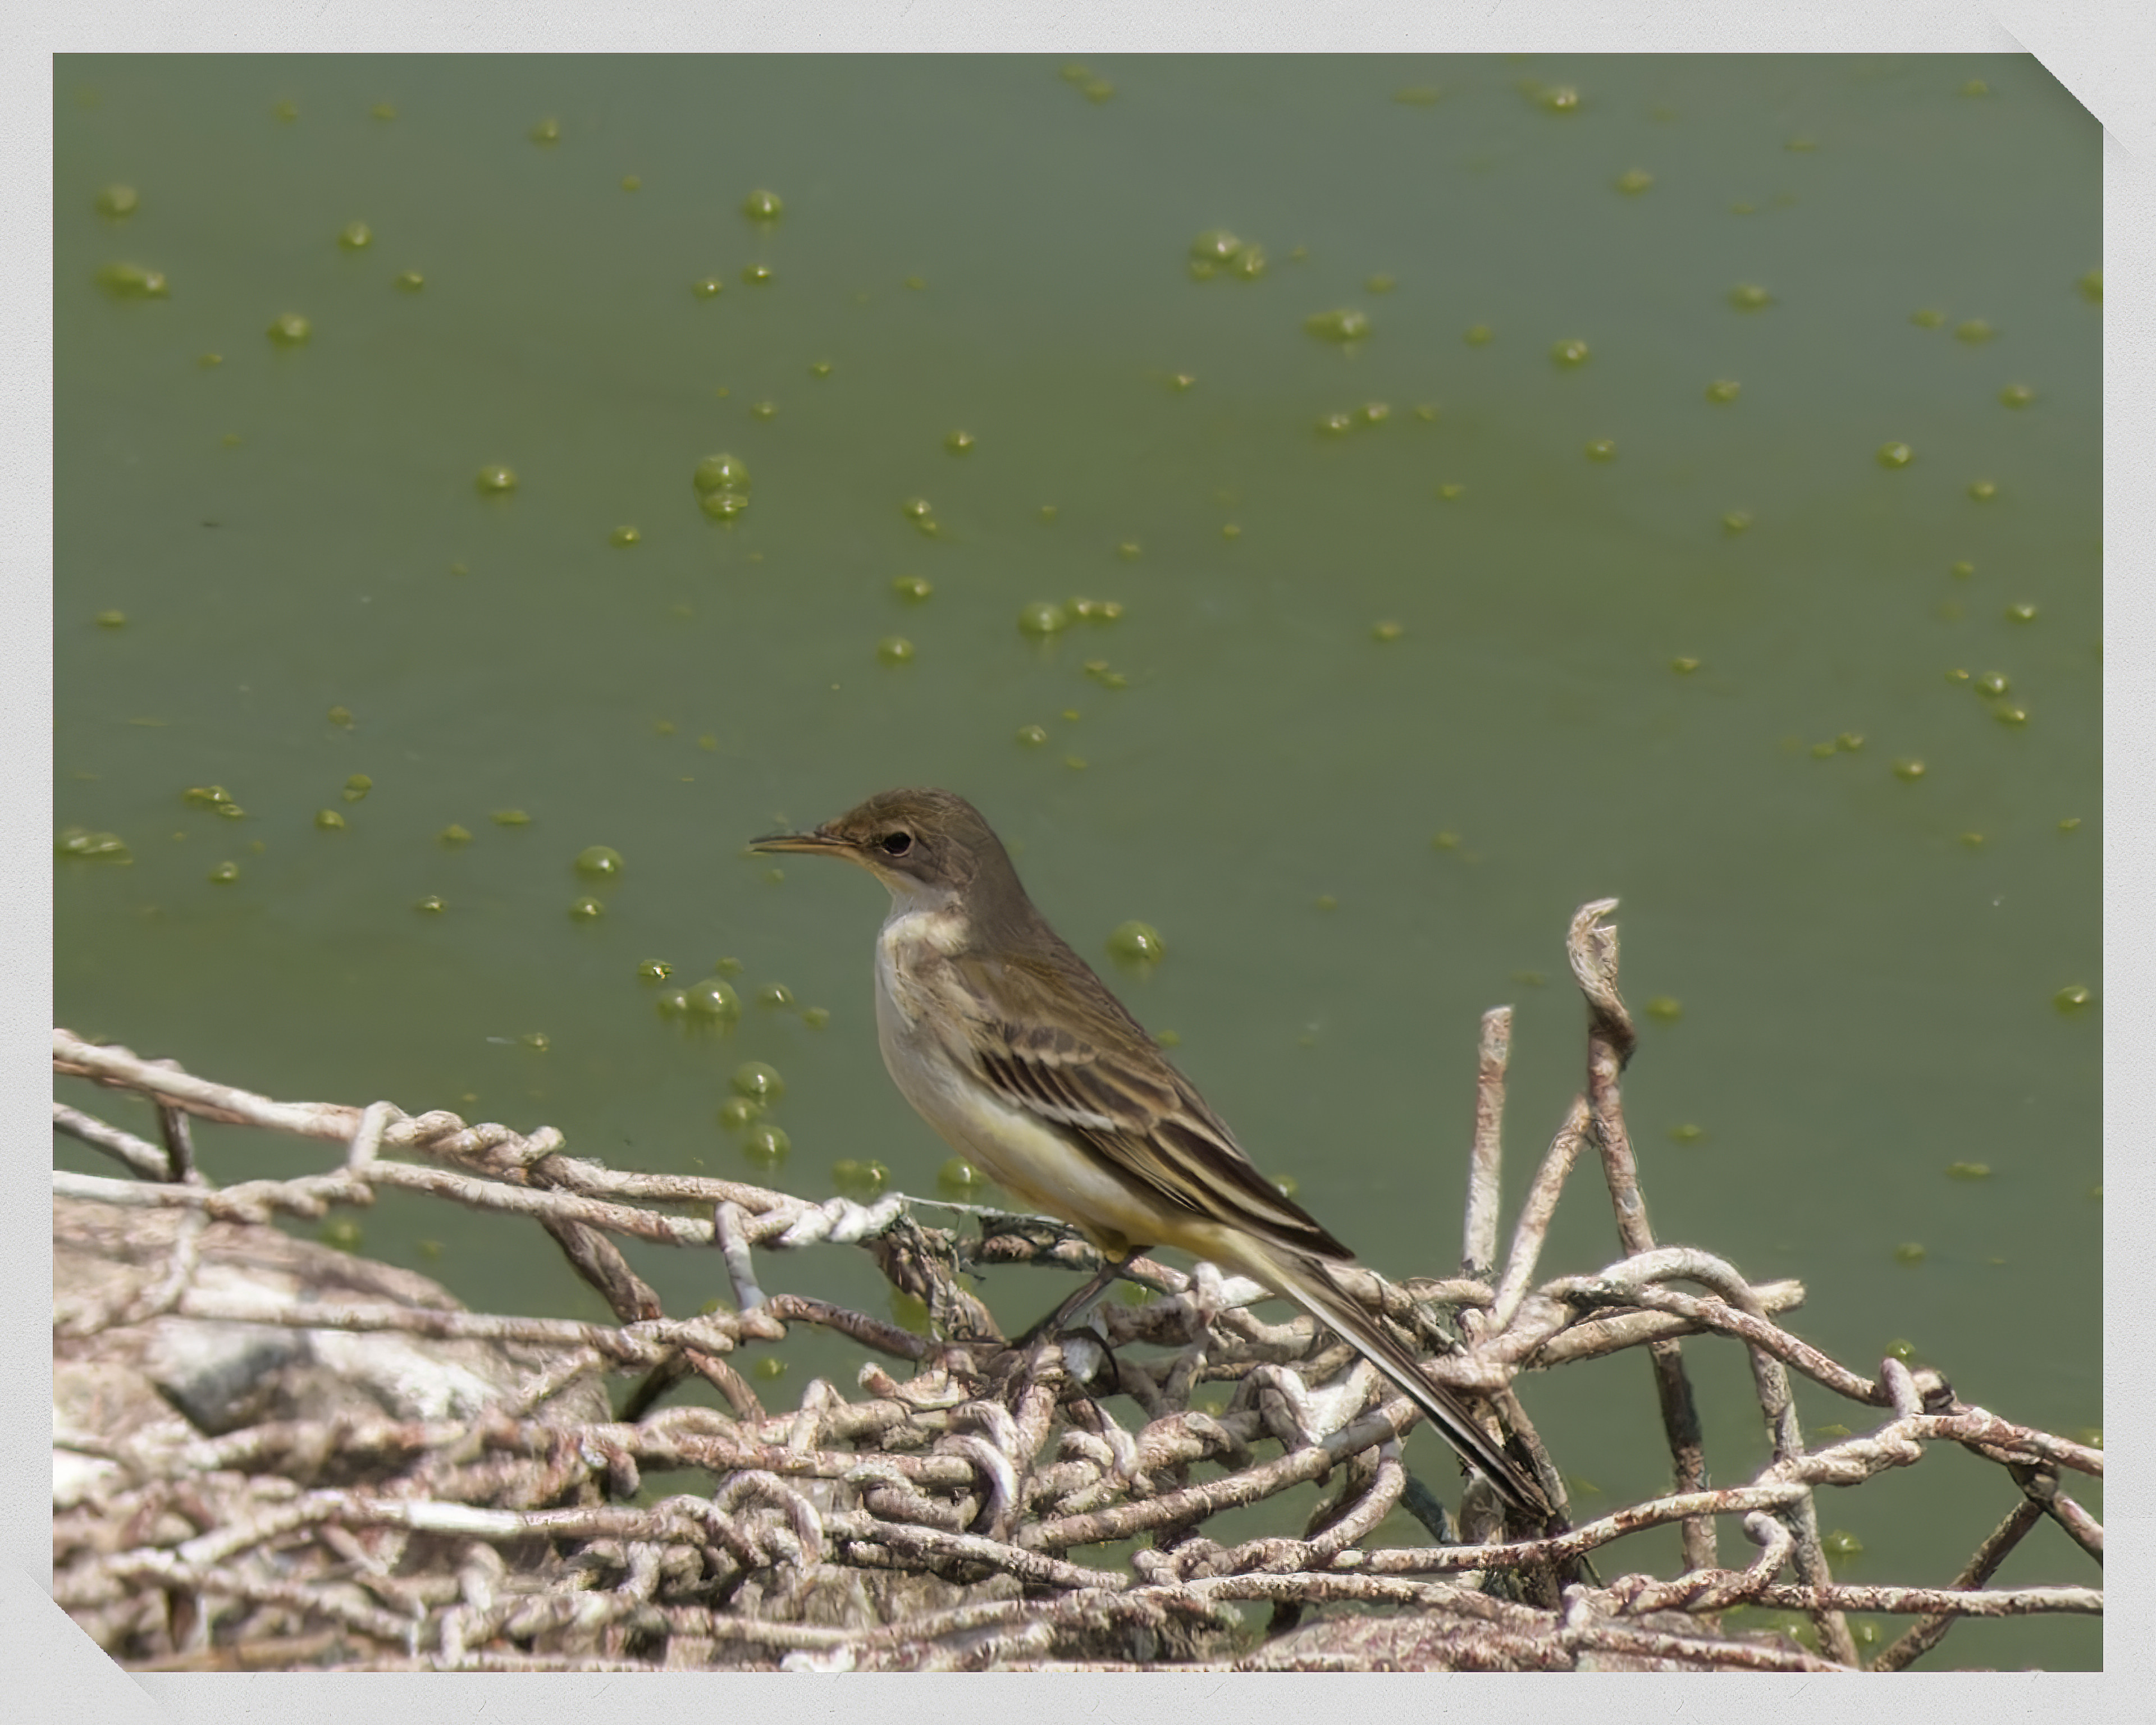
1126	1107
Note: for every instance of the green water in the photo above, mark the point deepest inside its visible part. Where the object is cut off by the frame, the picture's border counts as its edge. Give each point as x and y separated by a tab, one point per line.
1439	613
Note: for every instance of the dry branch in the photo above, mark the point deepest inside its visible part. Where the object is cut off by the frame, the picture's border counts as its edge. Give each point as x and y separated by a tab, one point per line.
930	1521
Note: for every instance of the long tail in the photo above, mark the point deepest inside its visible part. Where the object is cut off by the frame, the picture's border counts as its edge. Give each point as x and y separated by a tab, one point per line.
1309	1283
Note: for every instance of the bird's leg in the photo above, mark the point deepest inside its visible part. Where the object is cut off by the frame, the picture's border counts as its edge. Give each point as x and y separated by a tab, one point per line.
1082	1301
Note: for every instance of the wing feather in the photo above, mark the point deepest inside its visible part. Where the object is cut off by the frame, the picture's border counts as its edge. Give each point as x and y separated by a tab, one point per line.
1129	1109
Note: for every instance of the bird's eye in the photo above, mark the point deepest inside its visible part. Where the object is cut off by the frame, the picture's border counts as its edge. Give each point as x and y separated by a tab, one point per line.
895	843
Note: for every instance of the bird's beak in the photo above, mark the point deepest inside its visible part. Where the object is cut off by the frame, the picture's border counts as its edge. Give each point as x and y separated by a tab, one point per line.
809	842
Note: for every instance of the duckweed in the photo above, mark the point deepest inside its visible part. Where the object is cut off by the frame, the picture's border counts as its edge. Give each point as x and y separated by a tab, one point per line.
624	536
355	236
815	1017
431	904
1969	1171
861	1181
587	910
738	1113
712	999
1983	490
1962	572
1478	335
496	481
340	716
1973	331
80	843
1687	1133
112	620
2091	287
510	818
774	997
654	970
1723	389
1927	318
131	281
290	331
1380	284
546	131
1215	246
1042	619
454	835
763	207
722	506
1910	1253
1451	492
1136	943
224	874
2016	395
916	509
1666	1008
410	280
1603	448
763	409
757	275
707	287
1344	325
329	820
1896	455
1736	520
1749	296
911	588
1684	664
1574	352
1096	610
894	650
958	442
598	862
2073	998
766	1144
1388	630
758	1080
1909	769
1634	181
118	201
1032	736
1335	425
1992	685
2021	613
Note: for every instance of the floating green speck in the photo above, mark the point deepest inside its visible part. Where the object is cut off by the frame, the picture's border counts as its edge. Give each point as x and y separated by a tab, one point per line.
290	331
1388	630
1968	1170
340	716
1749	296
2071	1000
739	1113
79	842
1687	1133
1344	325
707	287
587	910
766	1144
912	588
1684	664
1478	335
1909	769
815	1017
1666	1008
764	206
624	536
1042	618
432	904
894	650
2016	395
599	862
1136	943
496	481
758	1080
454	835
1973	330
1896	455
1032	736
329	820
654	970
1570	352
757	275
1910	1252
712	999
131	281
224	874
1738	521
958	442
1723	389
355	236
2091	287
112	619
1603	448
510	818
546	131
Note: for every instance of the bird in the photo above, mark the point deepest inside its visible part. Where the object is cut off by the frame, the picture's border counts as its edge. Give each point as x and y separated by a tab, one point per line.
1010	1046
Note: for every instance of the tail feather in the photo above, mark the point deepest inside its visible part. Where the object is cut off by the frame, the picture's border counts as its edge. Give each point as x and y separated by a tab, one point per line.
1309	1283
